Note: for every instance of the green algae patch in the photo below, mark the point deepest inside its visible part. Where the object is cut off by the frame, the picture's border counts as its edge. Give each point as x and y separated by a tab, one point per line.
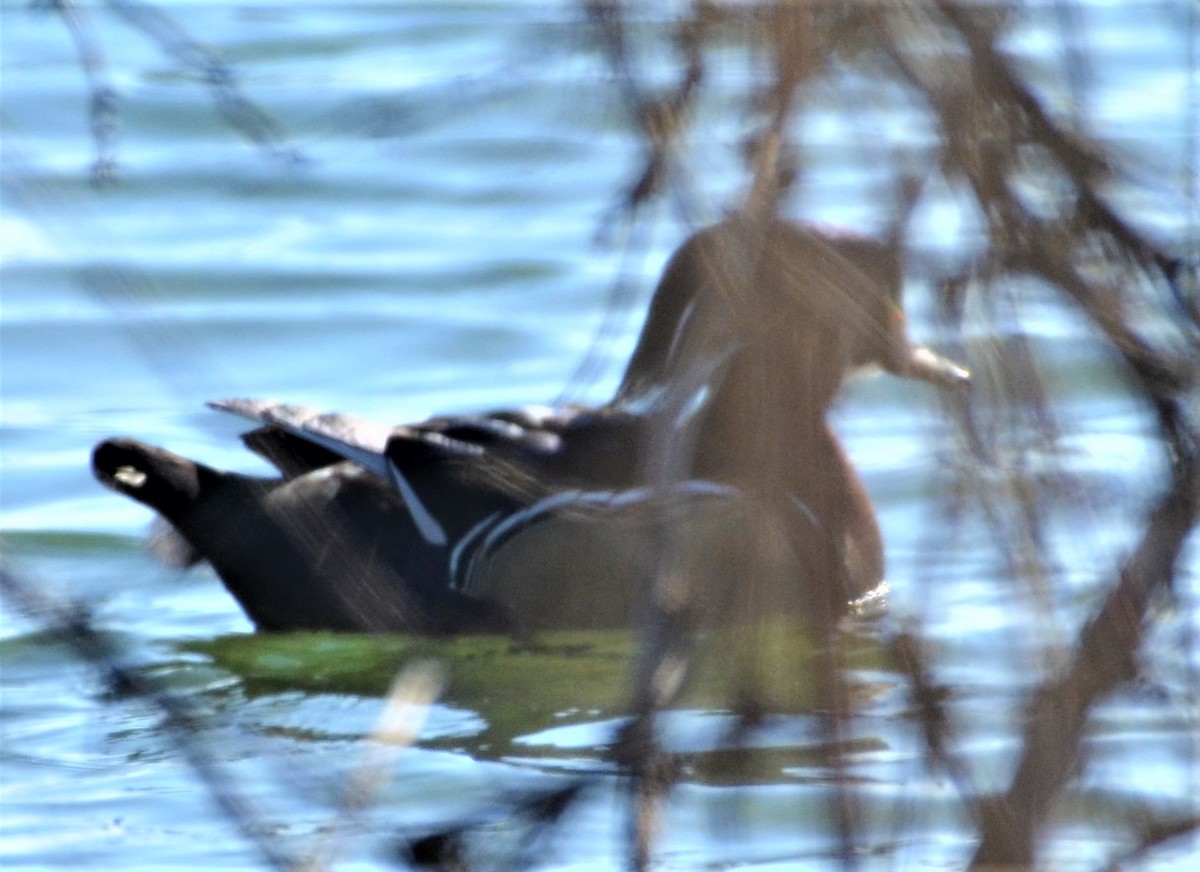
520	687
515	687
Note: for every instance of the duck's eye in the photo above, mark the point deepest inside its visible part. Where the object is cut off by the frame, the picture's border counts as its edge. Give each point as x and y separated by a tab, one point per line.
129	475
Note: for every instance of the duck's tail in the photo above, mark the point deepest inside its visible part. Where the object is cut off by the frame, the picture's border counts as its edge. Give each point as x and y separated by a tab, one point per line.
165	482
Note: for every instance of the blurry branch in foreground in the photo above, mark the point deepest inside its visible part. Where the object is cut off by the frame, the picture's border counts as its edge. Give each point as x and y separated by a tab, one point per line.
1059	249
70	622
993	133
413	691
102	102
1096	259
1105	657
239	112
989	121
668	653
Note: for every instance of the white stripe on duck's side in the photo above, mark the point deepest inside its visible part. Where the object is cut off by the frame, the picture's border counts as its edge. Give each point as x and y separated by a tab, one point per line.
491	534
467	543
431	531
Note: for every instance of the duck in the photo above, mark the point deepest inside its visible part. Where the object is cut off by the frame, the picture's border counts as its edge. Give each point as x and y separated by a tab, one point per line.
339	548
532	519
330	549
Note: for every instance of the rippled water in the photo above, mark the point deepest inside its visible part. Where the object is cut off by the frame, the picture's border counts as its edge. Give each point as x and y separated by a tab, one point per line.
434	249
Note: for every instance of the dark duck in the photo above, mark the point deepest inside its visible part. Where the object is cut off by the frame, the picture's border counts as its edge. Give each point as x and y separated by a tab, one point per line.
530	519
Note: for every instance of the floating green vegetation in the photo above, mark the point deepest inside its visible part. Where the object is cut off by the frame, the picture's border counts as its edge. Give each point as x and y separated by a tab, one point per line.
521	687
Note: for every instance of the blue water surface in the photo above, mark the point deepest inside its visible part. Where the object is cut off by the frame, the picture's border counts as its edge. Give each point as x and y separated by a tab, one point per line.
425	236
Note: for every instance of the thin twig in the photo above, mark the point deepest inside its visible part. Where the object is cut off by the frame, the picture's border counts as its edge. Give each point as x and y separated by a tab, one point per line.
71	622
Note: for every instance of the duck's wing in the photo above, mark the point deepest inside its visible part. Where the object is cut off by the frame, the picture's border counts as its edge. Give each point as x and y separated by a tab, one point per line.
502	458
530	452
412	457
293	436
335	436
298	439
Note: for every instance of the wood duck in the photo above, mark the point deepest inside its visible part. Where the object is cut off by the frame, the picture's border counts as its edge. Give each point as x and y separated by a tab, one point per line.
714	449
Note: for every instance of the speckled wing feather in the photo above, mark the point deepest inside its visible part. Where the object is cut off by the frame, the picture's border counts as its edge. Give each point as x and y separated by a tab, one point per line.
298	439
346	436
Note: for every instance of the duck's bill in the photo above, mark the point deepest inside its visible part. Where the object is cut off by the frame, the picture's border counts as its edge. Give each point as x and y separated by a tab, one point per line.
929	366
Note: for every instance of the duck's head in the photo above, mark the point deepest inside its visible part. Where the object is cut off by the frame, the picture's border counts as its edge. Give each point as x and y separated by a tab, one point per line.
810	305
